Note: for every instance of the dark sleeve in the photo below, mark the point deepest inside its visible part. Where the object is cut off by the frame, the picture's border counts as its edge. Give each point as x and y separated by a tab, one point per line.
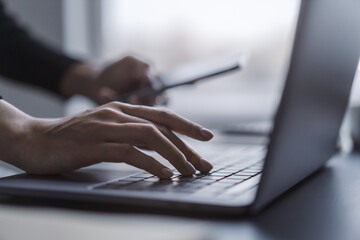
24	59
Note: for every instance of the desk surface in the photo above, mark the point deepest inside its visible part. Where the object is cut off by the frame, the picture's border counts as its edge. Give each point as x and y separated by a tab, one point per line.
326	206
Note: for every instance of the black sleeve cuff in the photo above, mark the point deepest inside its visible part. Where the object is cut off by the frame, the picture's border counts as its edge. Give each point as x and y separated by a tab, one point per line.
25	59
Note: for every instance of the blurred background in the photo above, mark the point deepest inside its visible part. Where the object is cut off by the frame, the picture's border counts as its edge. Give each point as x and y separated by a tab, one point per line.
167	33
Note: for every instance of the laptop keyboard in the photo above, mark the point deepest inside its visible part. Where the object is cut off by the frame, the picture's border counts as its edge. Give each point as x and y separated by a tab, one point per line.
235	170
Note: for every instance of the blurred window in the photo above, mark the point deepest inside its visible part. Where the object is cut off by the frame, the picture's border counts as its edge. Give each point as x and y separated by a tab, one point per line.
169	32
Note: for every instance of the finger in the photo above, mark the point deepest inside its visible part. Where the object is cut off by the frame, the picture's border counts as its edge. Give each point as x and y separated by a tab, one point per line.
144	148
110	114
169	119
112	152
141	74
147	135
191	155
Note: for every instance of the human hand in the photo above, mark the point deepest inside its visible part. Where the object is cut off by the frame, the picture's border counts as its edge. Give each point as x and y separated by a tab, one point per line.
123	76
109	133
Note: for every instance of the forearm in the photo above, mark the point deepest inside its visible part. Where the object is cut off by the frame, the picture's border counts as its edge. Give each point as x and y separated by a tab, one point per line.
13	127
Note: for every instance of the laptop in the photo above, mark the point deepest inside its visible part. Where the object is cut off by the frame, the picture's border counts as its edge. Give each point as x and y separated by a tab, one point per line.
245	178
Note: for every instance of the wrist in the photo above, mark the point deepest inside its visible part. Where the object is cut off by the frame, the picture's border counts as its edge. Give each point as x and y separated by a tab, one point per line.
79	79
14	128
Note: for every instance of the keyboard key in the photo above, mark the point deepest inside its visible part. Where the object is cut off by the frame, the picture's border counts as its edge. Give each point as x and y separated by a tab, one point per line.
221	185
162	186
152	179
229	176
215	178
249	171
143	175
219	175
185	179
131	179
229	181
225	173
207	181
245	185
241	174
234	177
200	175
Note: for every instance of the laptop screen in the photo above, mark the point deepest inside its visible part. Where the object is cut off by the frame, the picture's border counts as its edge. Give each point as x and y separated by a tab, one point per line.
323	64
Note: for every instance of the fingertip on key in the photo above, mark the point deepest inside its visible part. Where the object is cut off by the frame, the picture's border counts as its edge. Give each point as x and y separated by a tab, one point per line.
206	165
166	173
190	168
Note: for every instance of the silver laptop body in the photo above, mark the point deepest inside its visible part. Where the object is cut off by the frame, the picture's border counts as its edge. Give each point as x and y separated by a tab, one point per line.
324	60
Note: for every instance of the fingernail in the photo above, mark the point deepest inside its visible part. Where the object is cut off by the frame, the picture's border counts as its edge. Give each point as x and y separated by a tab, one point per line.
206	165
206	133
190	168
167	173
